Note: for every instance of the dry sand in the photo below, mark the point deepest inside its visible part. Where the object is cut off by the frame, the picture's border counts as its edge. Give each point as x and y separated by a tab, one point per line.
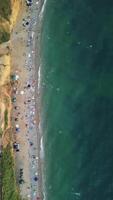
19	58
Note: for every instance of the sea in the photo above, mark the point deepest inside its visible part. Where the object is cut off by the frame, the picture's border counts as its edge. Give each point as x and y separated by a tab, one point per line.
76	48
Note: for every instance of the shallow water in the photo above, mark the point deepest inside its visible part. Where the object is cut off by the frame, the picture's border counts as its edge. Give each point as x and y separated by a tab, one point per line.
77	99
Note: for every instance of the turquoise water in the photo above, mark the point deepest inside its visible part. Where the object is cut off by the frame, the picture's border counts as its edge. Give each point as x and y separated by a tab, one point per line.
77	99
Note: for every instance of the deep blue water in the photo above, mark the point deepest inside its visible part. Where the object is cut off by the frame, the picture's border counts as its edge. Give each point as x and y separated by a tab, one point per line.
77	99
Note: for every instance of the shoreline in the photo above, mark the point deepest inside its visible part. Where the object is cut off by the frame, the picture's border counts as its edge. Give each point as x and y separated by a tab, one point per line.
37	97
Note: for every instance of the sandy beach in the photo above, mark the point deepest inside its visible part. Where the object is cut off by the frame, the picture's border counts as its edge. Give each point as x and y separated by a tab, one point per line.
25	117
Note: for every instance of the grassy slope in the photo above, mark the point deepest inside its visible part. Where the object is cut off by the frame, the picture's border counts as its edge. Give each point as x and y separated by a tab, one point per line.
6	118
5	9
9	188
5	12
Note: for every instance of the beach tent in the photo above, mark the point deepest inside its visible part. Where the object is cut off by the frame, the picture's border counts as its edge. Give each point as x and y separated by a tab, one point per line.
17	77
29	55
14	99
17	128
29	2
34	193
14	77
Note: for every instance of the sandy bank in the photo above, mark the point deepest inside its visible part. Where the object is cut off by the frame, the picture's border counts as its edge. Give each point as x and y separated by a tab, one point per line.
5	63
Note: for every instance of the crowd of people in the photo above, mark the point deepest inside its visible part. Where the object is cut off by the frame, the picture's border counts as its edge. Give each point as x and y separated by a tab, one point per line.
28	91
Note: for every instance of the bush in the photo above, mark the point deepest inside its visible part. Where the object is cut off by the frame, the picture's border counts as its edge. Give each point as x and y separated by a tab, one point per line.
4	36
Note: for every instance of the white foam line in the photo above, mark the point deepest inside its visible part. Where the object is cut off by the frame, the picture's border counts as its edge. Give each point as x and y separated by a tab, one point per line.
42	10
39	79
41	148
42	157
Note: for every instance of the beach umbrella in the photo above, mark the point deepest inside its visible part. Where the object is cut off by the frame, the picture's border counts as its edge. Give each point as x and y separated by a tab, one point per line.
17	126
22	92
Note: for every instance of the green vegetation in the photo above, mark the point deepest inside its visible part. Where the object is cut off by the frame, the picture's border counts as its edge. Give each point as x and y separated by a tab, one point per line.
1	131
5	119
9	188
5	12
4	36
5	9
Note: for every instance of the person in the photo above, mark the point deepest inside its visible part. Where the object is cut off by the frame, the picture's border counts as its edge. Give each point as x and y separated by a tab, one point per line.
35	178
